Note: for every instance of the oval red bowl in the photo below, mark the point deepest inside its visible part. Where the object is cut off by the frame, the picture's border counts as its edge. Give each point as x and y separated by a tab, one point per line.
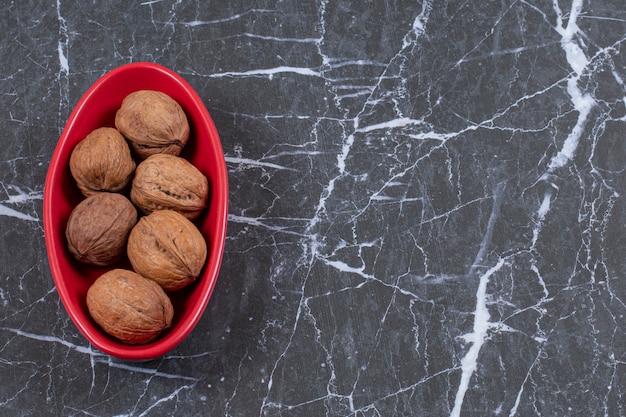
72	279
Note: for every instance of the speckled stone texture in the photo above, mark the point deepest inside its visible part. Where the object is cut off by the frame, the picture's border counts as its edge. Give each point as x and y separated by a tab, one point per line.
426	207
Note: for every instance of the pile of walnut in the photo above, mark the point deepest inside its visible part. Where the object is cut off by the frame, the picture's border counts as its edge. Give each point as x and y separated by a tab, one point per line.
164	247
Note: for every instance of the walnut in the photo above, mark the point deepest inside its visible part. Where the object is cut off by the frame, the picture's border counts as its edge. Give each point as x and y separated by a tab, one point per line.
168	248
98	228
153	122
129	307
165	181
102	162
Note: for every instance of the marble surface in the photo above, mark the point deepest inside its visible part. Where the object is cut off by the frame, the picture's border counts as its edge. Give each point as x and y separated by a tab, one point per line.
426	209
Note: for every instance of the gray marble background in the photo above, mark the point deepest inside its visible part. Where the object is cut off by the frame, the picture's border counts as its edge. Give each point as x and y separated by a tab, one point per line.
426	208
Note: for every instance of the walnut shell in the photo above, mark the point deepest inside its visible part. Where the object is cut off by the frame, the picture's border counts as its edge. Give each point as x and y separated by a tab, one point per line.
98	228
153	122
168	182
129	307
102	162
168	248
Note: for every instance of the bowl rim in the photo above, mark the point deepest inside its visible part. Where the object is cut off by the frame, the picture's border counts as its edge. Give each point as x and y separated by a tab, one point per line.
219	203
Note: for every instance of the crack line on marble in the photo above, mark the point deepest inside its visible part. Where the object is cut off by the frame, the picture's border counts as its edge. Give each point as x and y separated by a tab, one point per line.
279	39
154	403
141	395
419	25
19	197
250	163
331	384
150	2
498	195
15	396
151	372
376	196
582	102
64	68
489	124
63	41
335	63
477	338
266	402
231	18
368	278
229	402
469	362
257	222
268	72
9	212
527	378
504	52
50	339
412	387
29	306
158	402
98	356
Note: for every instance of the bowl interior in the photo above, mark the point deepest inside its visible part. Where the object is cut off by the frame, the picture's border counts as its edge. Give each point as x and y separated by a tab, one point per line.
95	109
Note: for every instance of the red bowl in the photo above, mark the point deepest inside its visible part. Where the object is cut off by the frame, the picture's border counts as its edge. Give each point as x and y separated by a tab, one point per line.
72	279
